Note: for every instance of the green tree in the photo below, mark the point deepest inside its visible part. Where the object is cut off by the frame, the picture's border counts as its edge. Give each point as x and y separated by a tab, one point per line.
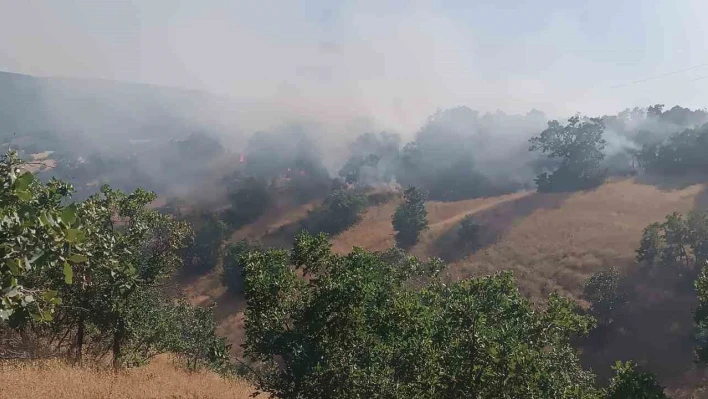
631	383
605	291
37	233
209	234
679	241
233	264
249	200
129	249
340	210
98	267
352	326
578	148
682	243
410	218
158	325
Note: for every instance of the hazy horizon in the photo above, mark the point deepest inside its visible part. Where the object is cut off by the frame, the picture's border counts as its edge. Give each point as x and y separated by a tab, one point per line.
393	63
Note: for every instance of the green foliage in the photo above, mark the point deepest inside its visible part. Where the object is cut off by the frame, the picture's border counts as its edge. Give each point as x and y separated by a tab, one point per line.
578	148
37	233
682	153
199	344
606	292
233	264
352	326
132	249
249	200
631	383
410	218
678	241
682	243
156	325
100	266
340	210
209	234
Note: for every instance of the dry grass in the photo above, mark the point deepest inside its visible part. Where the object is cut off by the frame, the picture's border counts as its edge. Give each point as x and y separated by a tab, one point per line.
160	379
558	247
375	231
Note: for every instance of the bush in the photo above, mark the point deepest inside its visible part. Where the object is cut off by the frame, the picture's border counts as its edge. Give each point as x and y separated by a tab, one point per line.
410	218
340	210
209	234
249	200
233	264
678	241
469	233
630	382
605	291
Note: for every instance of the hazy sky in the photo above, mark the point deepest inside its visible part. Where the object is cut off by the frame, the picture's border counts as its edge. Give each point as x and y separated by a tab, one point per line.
396	61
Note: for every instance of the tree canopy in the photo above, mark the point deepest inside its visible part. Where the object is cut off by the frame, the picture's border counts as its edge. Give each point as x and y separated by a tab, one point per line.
410	218
578	148
352	326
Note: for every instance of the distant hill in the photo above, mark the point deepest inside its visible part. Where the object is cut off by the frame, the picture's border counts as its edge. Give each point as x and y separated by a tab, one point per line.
107	113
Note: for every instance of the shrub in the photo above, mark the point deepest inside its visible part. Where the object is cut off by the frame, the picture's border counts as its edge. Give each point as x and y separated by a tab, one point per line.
233	264
209	234
605	291
469	233
249	200
630	382
410	218
678	241
340	210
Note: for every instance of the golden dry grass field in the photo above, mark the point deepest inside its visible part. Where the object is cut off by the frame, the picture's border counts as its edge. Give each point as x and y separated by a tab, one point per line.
160	379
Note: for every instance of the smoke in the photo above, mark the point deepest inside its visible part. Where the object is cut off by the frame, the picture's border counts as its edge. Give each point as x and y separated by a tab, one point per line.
311	77
389	63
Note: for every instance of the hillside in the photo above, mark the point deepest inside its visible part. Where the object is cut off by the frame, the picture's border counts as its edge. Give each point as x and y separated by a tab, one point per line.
552	242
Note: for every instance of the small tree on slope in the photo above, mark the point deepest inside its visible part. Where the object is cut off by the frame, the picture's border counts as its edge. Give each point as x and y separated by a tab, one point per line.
410	218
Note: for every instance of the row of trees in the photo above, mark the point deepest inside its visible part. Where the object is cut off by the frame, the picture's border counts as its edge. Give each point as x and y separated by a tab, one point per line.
89	277
459	154
682	153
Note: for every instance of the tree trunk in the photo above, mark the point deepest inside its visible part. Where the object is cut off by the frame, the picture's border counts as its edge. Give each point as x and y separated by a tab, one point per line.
80	341
26	342
117	338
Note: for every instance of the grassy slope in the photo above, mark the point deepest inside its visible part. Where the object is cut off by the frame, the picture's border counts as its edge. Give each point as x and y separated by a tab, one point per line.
552	242
160	379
